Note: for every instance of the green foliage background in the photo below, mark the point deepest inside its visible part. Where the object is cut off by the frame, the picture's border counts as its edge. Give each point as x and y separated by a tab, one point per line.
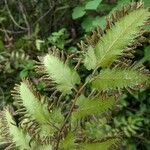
28	29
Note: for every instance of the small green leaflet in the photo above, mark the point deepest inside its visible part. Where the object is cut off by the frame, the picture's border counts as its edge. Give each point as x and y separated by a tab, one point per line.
68	143
39	43
92	5
78	12
120	3
90	55
91	22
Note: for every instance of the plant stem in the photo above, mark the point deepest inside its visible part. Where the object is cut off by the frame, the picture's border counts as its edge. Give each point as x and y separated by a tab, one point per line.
72	107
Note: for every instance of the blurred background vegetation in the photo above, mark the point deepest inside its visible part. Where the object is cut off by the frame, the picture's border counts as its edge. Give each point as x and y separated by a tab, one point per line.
29	28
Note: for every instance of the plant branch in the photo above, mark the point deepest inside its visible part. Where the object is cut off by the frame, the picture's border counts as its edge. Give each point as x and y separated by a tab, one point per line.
12	18
44	15
25	18
72	107
10	31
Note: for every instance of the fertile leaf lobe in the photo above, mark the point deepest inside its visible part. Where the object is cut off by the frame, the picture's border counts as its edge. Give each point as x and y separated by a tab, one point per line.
118	79
120	35
64	76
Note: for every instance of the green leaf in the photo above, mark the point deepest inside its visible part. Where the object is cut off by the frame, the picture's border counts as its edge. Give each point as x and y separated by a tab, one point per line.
120	3
39	43
90	55
68	143
146	3
12	134
2	19
59	39
147	27
106	7
91	22
99	21
23	73
110	47
56	117
98	129
36	111
1	45
146	56
15	134
87	23
41	85
89	106
64	76
106	145
78	12
33	104
118	78
92	5
147	53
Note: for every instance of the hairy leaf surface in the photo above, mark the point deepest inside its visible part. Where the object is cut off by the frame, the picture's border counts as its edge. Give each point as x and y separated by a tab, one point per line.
37	111
118	78
89	106
112	44
15	134
106	145
64	76
32	104
68	143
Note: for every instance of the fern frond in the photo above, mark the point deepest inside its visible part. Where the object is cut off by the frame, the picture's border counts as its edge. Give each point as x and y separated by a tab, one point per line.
120	35
118	79
11	133
61	73
109	144
87	106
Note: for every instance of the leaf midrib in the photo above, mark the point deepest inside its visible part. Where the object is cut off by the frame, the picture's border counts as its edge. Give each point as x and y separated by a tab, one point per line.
122	33
115	78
